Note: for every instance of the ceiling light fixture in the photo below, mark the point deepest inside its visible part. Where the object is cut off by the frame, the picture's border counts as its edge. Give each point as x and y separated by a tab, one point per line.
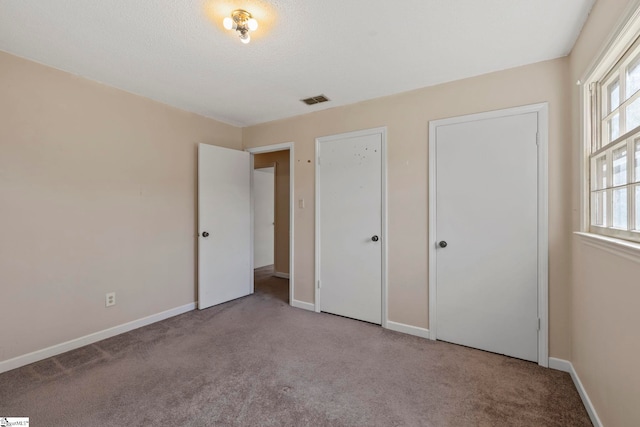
242	22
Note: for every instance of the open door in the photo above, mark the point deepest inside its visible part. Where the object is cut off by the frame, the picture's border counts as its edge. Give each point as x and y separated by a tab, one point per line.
224	225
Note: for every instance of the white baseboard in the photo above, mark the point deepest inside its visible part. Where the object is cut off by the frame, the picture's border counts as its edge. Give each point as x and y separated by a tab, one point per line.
566	366
303	305
560	365
408	329
281	275
54	350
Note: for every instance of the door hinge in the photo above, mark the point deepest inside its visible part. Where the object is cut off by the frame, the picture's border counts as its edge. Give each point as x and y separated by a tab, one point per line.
538	323
318	284
537	138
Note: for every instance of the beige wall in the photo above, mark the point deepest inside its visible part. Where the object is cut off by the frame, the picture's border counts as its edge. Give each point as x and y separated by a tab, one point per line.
606	287
97	194
281	232
407	116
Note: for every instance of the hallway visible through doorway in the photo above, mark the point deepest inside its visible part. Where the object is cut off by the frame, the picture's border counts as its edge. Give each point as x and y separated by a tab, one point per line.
266	283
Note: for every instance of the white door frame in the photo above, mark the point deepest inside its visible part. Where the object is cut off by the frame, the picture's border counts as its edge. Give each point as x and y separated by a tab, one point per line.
382	131
542	110
268	149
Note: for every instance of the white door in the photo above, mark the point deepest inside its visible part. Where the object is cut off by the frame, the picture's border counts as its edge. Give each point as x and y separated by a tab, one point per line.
224	225
263	216
486	233
349	238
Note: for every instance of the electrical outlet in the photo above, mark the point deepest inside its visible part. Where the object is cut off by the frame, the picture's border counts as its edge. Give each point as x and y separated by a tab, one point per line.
110	299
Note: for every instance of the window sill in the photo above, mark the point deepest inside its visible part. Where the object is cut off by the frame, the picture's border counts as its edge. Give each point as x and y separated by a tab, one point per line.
619	247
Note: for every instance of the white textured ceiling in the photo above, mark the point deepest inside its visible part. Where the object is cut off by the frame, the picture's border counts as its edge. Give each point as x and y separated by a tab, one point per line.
177	52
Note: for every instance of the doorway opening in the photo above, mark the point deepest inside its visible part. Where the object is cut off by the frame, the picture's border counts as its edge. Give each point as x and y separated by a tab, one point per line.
272	224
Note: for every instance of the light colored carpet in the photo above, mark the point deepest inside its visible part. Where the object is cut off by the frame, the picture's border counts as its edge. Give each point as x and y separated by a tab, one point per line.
258	362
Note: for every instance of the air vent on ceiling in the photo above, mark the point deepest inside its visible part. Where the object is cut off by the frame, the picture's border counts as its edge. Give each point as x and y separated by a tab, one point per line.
315	100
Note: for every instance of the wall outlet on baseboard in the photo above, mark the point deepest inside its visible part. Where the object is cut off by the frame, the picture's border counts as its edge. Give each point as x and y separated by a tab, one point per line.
110	299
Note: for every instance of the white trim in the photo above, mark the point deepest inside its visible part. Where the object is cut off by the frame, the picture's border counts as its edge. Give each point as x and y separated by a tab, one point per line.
281	275
268	149
73	344
408	329
625	28
542	109
566	366
382	131
560	364
431	233
292	214
543	233
251	223
303	305
316	274
385	232
622	248
585	149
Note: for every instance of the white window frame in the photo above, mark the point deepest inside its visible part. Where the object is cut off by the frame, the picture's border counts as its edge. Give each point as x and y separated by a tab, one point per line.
622	50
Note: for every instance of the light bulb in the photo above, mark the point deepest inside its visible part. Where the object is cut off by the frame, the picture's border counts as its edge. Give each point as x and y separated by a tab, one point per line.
245	38
227	23
253	24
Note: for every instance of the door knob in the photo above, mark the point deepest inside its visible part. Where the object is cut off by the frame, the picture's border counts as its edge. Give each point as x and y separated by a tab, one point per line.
205	234
375	238
442	244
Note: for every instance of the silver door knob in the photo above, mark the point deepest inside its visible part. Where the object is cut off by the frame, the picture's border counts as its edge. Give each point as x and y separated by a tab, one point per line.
375	238
442	244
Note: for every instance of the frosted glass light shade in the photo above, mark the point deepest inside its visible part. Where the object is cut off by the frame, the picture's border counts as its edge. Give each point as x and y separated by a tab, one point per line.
253	24
227	23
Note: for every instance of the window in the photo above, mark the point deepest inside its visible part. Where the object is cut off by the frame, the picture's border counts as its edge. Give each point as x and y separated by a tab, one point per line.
614	154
